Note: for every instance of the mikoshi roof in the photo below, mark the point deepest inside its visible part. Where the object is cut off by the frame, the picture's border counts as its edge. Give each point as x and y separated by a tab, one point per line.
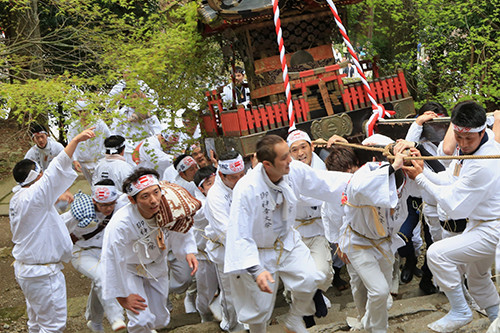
217	13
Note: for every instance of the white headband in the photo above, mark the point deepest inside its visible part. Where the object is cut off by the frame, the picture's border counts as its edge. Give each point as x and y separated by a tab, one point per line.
461	129
32	176
142	183
205	179
43	132
185	164
229	167
114	150
296	136
105	193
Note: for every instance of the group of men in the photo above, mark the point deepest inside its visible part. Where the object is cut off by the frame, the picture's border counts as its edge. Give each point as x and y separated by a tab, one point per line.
277	219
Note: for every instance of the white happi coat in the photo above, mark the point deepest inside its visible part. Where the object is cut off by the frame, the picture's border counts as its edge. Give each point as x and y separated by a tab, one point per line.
169	174
309	209
217	207
372	189
112	167
41	240
46	155
130	248
134	132
414	134
189	186
151	155
92	150
257	219
474	193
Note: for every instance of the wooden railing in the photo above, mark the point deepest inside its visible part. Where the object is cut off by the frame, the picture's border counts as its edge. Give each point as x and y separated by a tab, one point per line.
245	121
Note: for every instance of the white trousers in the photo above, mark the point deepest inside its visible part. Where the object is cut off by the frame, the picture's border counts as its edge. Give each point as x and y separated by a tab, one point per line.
156	315
87	262
435	228
180	274
322	256
229	315
298	272
206	286
474	252
371	279
45	302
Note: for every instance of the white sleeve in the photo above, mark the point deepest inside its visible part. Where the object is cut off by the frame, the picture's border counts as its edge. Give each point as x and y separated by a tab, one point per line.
414	132
153	124
58	177
319	184
227	94
70	221
460	198
439	178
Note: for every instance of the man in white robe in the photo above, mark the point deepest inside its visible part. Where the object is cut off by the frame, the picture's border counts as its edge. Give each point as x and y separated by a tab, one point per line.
113	166
134	260
218	205
41	240
309	222
186	169
154	152
180	277
467	188
374	210
45	148
43	152
134	127
90	152
86	221
206	277
262	245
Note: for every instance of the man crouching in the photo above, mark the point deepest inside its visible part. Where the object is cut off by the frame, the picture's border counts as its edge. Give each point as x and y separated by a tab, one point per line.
134	254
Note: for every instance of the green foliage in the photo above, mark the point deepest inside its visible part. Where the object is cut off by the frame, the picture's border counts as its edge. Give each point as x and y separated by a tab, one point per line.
87	46
460	39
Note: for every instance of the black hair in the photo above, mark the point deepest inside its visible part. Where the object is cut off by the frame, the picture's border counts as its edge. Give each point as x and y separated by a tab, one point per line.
432	106
238	69
22	169
135	175
229	155
468	114
203	173
105	182
37	128
265	148
114	141
178	160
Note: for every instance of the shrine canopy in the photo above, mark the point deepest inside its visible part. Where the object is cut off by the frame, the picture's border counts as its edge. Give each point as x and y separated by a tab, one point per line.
218	15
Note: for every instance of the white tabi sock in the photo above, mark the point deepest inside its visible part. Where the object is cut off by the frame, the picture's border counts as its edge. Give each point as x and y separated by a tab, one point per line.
494	327
492	312
459	315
